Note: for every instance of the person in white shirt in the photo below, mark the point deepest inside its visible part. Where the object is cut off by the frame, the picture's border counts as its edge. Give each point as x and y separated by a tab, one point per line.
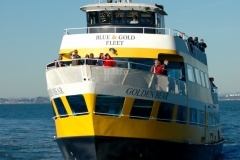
134	21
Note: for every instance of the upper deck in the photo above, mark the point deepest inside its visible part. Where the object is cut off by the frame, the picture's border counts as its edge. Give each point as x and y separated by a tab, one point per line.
130	30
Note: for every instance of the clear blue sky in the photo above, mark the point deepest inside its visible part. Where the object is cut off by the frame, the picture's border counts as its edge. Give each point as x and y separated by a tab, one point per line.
31	33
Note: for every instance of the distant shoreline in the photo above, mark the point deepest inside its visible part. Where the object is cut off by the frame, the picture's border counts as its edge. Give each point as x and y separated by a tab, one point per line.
23	103
229	100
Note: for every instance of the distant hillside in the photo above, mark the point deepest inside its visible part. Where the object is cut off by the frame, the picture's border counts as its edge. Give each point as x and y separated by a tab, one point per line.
24	100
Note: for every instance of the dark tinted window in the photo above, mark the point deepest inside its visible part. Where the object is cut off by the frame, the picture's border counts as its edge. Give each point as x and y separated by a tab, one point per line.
165	112
193	116
54	114
141	109
182	114
92	18
147	18
109	105
105	17
60	107
132	17
200	117
77	104
118	17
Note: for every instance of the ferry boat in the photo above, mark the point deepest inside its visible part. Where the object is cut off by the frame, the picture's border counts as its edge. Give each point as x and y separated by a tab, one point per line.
127	111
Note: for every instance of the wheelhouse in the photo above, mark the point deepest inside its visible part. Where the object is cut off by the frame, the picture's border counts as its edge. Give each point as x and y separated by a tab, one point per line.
123	15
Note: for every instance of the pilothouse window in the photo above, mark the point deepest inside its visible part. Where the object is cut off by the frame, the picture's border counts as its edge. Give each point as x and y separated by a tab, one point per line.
132	17
105	17
147	18
118	17
92	18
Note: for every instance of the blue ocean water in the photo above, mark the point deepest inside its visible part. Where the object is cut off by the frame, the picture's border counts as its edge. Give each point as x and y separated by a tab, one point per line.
27	130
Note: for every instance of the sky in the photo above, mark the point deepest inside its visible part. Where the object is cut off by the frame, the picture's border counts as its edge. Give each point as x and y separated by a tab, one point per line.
31	34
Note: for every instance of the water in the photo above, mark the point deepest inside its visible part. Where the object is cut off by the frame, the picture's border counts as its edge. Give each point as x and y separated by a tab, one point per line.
27	130
230	119
26	133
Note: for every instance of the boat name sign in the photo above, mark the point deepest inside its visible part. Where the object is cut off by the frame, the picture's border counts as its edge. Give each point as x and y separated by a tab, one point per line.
55	91
115	40
148	94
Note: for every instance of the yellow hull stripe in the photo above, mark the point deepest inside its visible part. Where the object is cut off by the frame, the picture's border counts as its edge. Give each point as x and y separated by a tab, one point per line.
121	52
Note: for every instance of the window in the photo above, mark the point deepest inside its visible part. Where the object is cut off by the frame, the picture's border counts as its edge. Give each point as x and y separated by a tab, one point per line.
200	117
176	70
54	114
202	78
193	116
190	73
141	109
165	112
132	17
109	105
182	114
207	80
60	107
105	17
147	18
92	18
118	17
77	104
197	76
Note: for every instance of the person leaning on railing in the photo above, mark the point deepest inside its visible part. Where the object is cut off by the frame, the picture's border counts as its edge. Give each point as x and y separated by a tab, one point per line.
91	60
211	79
100	59
202	45
157	68
74	57
109	61
165	67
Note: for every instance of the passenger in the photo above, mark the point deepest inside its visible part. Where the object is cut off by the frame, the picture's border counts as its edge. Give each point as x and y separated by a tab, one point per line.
91	61
58	62
165	67
181	35
86	57
202	45
100	59
109	61
196	43
134	21
157	68
212	84
191	43
75	56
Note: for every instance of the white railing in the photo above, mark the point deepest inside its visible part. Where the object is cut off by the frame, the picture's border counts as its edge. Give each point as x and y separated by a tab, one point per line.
166	31
83	61
121	64
120	75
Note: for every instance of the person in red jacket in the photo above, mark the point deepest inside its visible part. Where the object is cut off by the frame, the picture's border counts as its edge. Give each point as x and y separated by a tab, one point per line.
157	68
109	61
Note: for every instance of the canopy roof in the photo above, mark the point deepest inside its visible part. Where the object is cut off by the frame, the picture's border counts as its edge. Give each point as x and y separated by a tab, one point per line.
123	6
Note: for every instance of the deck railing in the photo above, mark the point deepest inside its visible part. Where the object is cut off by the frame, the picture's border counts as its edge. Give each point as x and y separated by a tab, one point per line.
126	73
119	29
